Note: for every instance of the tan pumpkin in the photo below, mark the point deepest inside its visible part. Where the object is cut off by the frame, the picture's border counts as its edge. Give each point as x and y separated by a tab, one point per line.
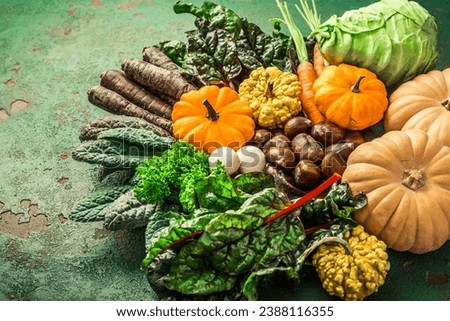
406	177
423	103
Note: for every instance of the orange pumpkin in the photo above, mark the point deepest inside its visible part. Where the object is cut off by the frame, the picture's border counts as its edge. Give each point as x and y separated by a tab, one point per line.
213	117
351	97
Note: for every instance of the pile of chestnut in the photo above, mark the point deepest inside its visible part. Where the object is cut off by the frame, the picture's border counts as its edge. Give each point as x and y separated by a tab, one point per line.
304	155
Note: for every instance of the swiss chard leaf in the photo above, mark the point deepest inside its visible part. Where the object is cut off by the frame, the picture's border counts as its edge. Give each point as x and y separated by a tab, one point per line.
162	218
221	17
190	275
213	53
256	49
337	229
218	191
180	228
250	289
225	47
254	182
262	247
175	50
233	225
339	202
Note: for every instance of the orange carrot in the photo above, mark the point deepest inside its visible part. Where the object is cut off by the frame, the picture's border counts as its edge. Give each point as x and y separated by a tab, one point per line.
306	76
318	61
305	69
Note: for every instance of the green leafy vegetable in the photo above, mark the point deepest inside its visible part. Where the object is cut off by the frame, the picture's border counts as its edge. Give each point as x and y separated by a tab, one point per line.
216	252
94	128
179	229
254	182
396	39
126	212
121	147
218	191
177	169
339	202
225	47
138	137
213	53
250	289
91	208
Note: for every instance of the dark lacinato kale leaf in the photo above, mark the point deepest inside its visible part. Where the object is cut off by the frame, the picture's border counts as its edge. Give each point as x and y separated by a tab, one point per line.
91	208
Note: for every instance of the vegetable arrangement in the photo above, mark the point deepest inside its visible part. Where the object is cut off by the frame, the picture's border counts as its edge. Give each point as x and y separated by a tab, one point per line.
247	156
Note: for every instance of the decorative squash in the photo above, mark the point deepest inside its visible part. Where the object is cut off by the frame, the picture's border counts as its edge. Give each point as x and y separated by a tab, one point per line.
213	117
406	177
424	103
355	267
273	95
351	97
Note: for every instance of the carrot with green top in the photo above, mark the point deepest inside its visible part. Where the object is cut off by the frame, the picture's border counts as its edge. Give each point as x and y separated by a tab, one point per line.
312	19
305	70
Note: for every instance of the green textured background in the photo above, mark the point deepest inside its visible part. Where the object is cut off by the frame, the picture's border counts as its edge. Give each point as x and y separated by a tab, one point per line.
51	52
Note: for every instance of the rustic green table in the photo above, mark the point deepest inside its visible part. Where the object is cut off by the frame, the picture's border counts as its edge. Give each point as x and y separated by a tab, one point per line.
51	52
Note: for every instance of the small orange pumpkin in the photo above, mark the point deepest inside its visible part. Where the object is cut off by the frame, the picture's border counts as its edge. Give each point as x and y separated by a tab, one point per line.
213	117
351	97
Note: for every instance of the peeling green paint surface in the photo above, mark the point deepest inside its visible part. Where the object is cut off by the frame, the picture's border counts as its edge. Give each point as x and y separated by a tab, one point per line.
51	52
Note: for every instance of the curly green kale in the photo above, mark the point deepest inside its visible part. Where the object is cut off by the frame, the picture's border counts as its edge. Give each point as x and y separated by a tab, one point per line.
175	171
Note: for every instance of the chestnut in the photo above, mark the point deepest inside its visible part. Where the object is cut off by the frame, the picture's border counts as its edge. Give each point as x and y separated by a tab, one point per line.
344	149
333	163
307	175
297	125
327	133
282	157
276	141
306	147
276	132
260	137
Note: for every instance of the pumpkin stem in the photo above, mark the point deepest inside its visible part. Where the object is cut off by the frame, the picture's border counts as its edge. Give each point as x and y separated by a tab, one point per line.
355	87
212	113
414	178
446	104
269	90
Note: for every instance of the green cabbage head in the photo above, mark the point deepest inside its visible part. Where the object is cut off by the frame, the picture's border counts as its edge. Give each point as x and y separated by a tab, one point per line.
396	39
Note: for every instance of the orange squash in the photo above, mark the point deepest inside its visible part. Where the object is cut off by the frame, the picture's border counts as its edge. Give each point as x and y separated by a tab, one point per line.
213	117
351	97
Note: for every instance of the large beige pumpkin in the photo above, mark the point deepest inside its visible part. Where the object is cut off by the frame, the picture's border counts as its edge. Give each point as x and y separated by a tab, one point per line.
423	103
406	177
